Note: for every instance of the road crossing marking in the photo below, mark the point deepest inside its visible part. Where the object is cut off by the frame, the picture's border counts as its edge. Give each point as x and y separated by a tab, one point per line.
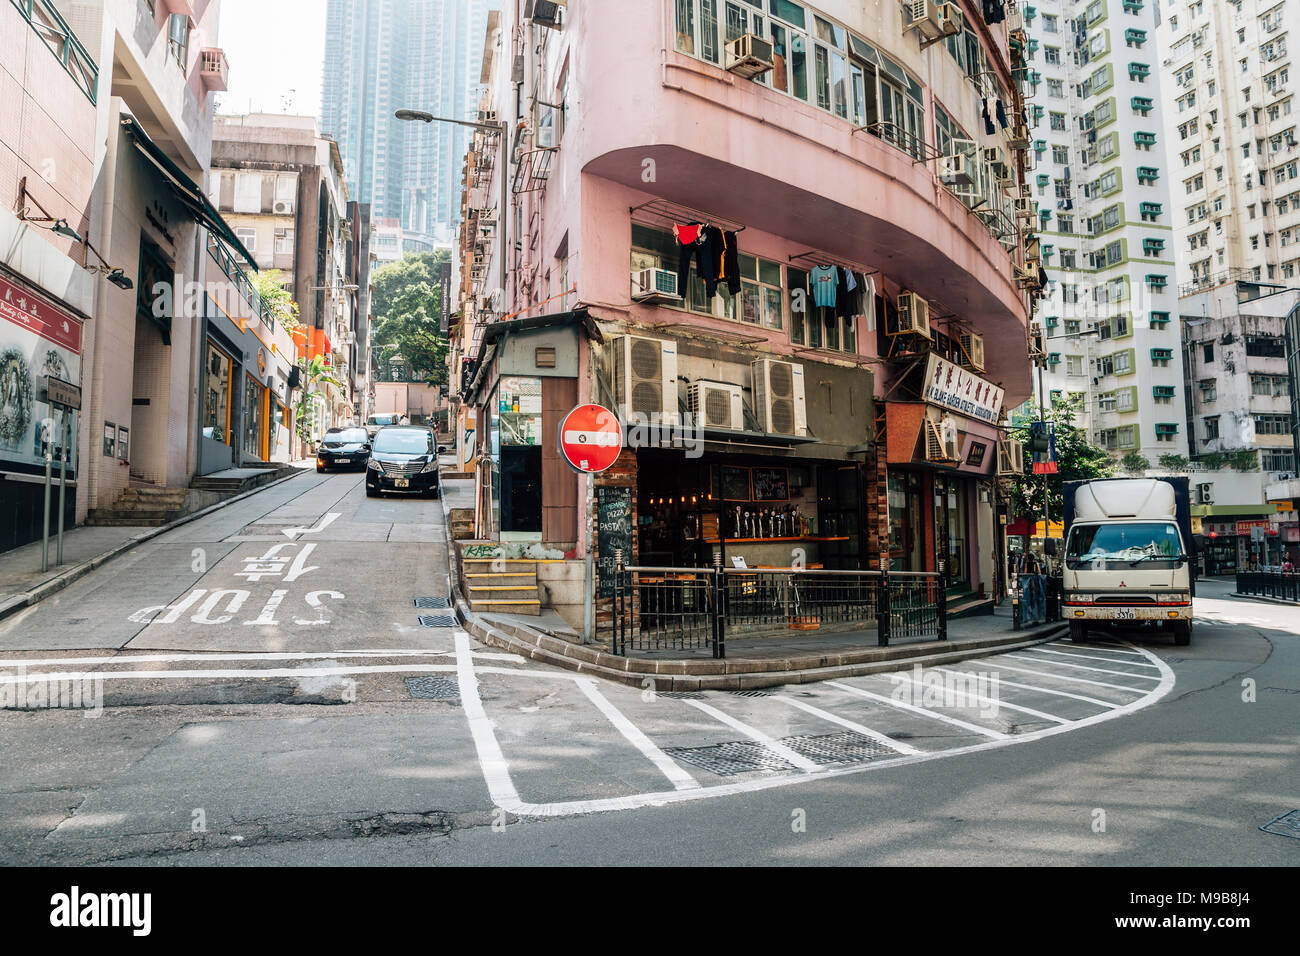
1084	667
778	748
678	777
875	735
1076	680
1092	647
1040	690
923	711
1000	703
1092	657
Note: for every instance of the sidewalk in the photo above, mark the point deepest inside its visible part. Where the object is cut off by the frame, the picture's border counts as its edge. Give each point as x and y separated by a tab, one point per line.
85	548
751	662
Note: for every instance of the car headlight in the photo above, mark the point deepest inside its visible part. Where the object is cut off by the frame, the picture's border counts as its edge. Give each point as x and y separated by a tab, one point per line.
431	466
372	464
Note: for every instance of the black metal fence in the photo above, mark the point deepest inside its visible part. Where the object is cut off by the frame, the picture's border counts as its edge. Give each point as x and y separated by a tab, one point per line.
1271	584
694	609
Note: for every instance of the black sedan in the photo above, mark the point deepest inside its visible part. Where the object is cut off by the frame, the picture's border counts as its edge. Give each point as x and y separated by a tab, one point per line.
343	448
403	459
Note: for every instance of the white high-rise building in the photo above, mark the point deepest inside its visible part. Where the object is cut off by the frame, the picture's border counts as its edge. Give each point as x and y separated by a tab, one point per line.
1102	183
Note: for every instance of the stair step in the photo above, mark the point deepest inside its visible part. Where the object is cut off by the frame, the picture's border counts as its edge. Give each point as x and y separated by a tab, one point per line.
501	574
533	608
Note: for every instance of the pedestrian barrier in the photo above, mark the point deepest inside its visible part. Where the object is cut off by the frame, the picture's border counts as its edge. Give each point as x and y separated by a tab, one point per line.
694	609
1271	584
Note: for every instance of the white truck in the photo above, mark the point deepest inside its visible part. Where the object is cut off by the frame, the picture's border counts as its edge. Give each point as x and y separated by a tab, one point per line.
1129	557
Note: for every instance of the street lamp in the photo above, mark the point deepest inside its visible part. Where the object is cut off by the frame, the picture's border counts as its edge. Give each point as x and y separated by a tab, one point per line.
420	116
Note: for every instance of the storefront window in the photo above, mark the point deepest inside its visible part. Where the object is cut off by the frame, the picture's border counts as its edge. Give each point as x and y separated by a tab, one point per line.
905	515
951	533
216	401
519	461
254	419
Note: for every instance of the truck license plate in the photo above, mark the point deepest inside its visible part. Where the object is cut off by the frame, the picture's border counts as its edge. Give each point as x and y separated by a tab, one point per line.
1126	614
401	482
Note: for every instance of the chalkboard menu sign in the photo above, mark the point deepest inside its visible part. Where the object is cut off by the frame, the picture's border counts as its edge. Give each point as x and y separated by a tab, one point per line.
771	484
613	531
735	483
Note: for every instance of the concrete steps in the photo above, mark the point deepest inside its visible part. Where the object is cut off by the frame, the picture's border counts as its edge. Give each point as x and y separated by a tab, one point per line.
238	480
502	585
145	507
462	524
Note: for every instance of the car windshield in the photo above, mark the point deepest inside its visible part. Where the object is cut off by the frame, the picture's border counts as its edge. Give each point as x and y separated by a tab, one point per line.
383	419
346	436
404	441
1155	545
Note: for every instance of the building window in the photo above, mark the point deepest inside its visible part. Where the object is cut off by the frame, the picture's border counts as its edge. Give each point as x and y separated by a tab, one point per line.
178	39
216	396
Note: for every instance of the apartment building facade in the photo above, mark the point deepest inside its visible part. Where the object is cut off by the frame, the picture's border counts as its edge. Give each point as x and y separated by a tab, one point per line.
850	432
1103	189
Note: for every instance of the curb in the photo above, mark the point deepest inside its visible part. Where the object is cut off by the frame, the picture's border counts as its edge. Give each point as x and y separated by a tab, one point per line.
736	674
75	573
1267	600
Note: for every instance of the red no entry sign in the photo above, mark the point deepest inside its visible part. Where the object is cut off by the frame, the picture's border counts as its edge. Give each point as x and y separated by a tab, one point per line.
591	438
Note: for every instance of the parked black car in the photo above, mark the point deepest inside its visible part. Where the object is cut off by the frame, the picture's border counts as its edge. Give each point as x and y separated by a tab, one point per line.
343	448
403	459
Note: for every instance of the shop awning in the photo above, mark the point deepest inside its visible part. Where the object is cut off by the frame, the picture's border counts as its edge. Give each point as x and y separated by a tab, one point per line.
186	191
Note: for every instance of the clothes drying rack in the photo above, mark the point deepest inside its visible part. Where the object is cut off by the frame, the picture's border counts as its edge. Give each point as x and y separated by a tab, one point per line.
661	212
815	258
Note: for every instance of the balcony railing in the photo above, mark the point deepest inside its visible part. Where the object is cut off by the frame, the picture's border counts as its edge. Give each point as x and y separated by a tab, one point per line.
214	70
239	278
48	24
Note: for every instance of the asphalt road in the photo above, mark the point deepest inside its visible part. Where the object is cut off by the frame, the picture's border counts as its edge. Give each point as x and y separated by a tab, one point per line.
274	698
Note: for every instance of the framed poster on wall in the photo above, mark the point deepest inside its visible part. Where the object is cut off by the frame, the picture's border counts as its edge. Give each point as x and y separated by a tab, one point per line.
110	440
123	443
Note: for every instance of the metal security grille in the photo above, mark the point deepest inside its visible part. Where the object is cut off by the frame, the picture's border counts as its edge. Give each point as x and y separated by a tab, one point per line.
433	688
428	603
731	758
437	620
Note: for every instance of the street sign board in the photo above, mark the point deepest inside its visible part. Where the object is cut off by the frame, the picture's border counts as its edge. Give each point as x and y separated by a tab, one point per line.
591	438
55	391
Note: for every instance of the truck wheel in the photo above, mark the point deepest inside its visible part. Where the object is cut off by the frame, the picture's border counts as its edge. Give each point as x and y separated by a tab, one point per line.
1182	633
1078	631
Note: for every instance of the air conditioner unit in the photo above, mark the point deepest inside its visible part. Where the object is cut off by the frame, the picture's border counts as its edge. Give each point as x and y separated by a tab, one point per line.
749	56
1015	19
645	377
1018	137
283	207
1037	344
545	13
955	170
913	316
654	285
972	346
1205	493
924	18
942	441
779	399
717	405
1011	458
487	116
949	20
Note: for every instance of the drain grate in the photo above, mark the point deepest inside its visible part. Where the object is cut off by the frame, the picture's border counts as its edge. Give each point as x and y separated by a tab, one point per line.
680	694
749	693
845	747
437	620
731	758
432	603
1288	824
433	688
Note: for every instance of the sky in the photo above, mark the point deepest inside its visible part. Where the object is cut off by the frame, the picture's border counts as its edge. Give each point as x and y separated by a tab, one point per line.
276	49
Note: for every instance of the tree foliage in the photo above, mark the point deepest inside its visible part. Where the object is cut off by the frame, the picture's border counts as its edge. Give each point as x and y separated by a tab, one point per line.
315	375
407	310
1077	460
277	299
1134	463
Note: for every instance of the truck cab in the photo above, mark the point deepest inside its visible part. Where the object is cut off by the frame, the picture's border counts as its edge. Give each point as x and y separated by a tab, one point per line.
1129	560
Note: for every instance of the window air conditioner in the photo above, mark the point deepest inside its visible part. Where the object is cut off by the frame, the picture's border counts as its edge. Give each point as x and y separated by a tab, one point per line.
779	398
972	346
1026	209
749	56
941	440
654	285
913	316
1011	458
545	13
955	170
645	377
1015	19
925	18
1018	137
717	405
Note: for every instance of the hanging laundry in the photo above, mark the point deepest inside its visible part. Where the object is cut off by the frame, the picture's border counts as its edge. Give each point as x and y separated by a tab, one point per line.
691	246
869	301
851	281
994	11
1001	114
729	270
986	109
825	284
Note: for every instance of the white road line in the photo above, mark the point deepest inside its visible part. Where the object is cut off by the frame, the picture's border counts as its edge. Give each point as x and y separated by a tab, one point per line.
1074	680
1090	647
1082	667
1041	690
923	711
504	795
780	749
244	656
875	735
678	777
490	758
1092	657
1000	703
51	676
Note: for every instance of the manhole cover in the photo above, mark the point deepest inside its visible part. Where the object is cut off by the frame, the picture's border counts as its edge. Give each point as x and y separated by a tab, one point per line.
1288	824
433	602
433	688
729	759
749	693
845	747
437	620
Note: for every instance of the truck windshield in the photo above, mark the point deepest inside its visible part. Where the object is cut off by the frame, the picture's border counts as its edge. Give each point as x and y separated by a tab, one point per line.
1154	545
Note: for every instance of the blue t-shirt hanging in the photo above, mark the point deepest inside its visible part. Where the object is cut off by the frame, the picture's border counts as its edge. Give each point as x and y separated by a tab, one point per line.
825	281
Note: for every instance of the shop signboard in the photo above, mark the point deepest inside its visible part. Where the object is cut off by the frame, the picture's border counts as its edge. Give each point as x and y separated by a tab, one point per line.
37	340
948	385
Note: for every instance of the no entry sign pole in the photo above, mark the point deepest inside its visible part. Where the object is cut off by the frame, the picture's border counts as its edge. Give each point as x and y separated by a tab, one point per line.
591	439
